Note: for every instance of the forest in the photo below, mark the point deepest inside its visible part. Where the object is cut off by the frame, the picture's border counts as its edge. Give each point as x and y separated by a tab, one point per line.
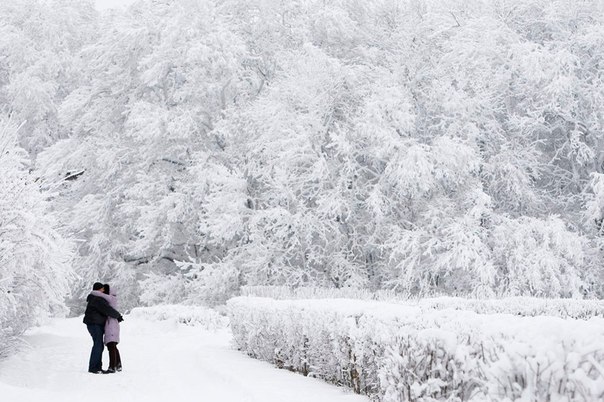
182	150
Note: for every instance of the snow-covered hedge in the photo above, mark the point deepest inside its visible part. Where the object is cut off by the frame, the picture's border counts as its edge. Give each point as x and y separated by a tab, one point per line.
394	352
189	315
523	306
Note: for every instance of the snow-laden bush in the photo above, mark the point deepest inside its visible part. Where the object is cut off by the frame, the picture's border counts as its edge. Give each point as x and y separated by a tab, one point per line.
188	315
394	352
310	292
522	306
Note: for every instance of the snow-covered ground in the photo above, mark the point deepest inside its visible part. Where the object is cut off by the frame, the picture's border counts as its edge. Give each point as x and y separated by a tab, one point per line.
105	4
163	361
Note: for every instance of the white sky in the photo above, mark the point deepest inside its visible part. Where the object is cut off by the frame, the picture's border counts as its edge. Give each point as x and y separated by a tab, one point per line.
104	4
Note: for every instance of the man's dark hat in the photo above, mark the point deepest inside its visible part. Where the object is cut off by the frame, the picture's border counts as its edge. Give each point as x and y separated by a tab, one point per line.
97	286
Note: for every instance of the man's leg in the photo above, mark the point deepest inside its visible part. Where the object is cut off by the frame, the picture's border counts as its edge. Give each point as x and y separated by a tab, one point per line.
96	354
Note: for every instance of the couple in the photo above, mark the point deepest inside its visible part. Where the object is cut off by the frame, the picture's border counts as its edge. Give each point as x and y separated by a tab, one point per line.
101	318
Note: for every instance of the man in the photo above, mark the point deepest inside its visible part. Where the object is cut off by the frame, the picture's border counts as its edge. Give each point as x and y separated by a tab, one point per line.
97	311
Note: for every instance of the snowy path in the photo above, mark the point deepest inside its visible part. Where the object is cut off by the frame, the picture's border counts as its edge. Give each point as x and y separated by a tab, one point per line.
163	361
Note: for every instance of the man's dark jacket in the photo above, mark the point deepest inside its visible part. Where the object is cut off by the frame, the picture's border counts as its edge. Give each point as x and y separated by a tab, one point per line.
97	311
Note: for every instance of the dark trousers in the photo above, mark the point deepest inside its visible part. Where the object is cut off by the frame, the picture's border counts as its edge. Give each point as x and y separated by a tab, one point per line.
96	354
115	361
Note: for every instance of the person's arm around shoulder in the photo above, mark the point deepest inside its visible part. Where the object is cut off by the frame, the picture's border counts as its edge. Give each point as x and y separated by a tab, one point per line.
105	308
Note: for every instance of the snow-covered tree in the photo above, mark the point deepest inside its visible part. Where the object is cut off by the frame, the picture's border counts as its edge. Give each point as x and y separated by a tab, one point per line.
538	257
35	269
443	130
39	44
212	144
157	80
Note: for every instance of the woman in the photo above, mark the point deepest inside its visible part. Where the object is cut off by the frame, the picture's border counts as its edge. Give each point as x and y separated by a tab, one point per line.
112	331
112	334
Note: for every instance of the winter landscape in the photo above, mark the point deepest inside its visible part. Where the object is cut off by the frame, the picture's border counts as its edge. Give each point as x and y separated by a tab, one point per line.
302	200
